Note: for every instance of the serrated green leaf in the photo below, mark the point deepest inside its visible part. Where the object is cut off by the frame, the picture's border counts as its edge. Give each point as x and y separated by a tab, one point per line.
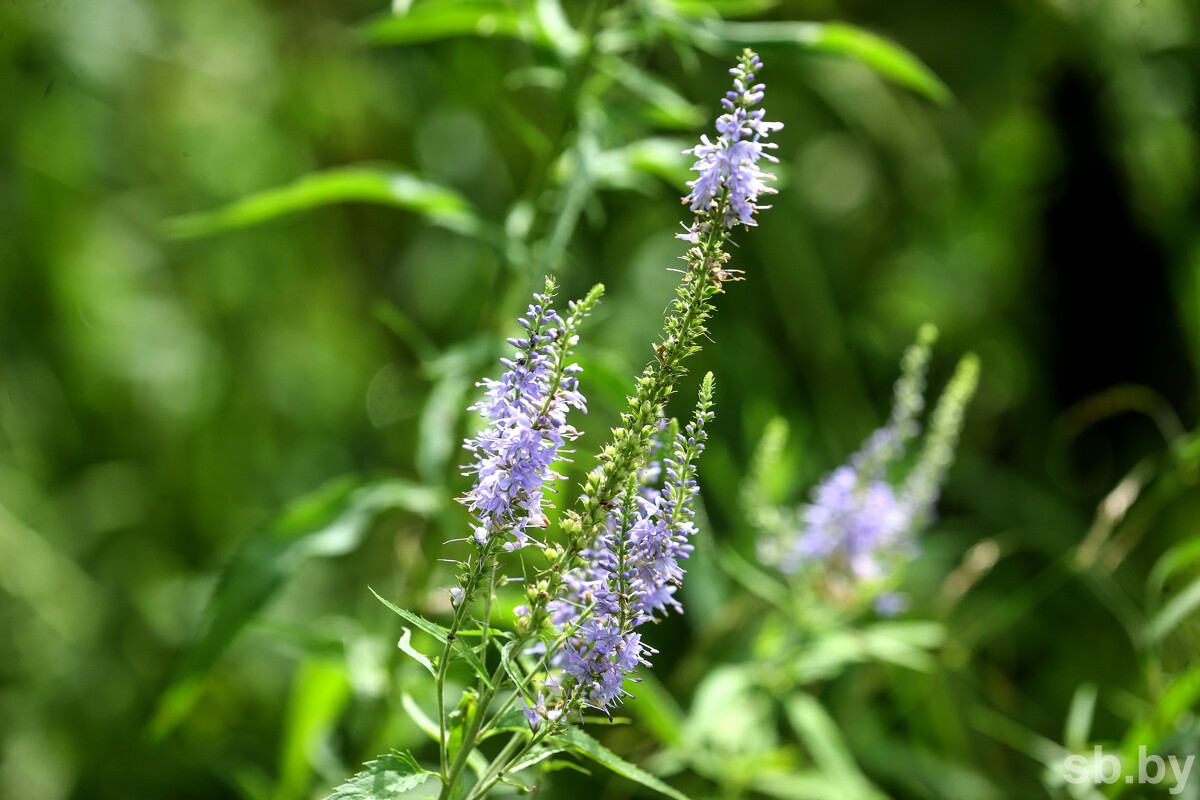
509	667
460	650
584	744
432	628
385	778
535	756
405	645
383	185
330	521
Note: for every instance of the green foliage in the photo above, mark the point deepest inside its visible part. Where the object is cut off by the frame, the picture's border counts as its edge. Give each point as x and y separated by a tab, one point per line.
386	778
580	742
254	248
440	205
331	521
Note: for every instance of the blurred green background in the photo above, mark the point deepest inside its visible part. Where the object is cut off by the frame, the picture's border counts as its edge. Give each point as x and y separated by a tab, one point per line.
170	380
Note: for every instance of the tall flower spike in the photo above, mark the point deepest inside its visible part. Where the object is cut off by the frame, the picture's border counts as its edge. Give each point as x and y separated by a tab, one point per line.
575	579
730	180
526	413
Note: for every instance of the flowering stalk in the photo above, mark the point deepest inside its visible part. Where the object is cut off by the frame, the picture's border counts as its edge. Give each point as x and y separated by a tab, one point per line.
514	453
617	565
923	485
629	578
724	194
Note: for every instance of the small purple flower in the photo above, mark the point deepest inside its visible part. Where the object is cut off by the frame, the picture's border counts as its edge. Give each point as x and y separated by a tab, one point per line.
730	178
526	410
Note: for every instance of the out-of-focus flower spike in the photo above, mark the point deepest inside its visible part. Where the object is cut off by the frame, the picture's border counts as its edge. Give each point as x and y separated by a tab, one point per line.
887	444
923	485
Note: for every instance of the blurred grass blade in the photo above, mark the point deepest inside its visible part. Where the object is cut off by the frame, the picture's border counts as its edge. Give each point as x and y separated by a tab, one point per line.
825	743
419	717
666	106
1042	750
755	580
431	22
440	205
798	785
330	521
657	711
320	691
1176	702
633	166
49	581
1174	611
386	778
1171	563
584	744
1079	717
838	38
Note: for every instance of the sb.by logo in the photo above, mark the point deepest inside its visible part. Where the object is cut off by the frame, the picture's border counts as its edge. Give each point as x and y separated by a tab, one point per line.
1106	768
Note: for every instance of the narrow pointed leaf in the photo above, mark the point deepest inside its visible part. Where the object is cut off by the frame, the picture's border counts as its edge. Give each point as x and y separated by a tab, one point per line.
405	645
886	58
584	744
439	204
431	22
441	634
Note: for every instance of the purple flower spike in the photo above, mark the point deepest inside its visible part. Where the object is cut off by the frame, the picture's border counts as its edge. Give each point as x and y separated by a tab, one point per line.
730	178
629	576
526	410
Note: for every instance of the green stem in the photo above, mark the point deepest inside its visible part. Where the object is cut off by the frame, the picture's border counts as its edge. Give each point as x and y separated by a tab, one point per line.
471	734
497	768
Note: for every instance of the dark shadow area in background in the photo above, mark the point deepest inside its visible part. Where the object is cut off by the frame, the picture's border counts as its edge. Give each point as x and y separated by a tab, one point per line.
1107	289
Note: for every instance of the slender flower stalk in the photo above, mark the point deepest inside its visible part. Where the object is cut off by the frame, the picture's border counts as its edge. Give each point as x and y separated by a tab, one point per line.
514	454
729	179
